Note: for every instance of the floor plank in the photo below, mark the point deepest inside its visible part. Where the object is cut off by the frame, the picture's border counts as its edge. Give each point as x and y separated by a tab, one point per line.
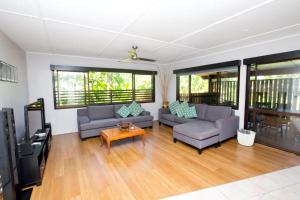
83	170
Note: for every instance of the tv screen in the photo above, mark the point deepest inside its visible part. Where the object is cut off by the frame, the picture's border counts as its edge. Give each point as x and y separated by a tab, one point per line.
35	122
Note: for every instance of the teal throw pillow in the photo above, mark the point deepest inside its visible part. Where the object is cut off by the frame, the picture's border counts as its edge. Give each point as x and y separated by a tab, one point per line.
173	106
190	112
123	111
185	104
135	109
180	110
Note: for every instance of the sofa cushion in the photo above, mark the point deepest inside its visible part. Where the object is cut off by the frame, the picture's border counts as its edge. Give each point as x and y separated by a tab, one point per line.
201	110
190	112
173	107
214	113
180	109
199	130
136	110
99	124
123	111
117	108
134	105
168	117
101	112
137	119
182	120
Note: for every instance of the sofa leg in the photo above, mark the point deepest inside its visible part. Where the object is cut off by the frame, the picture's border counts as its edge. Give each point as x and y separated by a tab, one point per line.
199	151
174	140
159	123
218	144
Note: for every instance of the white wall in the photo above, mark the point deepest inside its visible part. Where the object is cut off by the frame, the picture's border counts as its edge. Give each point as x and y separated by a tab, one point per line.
14	95
40	85
268	47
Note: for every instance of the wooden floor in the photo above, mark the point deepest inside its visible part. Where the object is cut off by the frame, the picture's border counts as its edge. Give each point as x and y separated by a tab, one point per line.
82	170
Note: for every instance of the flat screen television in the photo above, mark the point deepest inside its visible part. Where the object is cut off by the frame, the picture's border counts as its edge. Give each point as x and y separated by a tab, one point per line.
34	118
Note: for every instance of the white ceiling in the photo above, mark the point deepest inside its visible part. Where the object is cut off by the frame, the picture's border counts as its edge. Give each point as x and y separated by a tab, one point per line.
166	30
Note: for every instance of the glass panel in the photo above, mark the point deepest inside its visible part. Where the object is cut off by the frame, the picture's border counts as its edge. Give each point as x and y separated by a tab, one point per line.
70	89
143	88
229	87
184	88
108	87
199	83
99	85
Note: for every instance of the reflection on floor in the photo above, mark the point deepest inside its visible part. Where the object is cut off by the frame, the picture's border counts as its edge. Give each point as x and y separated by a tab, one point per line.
288	139
283	184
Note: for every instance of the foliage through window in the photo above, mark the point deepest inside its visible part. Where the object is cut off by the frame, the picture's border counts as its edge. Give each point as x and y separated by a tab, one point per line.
81	88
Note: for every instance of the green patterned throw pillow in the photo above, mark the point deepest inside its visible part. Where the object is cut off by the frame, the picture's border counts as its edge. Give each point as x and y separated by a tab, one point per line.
180	110
135	109
173	106
123	111
190	112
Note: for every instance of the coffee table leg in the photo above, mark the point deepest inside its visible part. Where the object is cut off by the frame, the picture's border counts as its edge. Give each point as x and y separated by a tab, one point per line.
108	146
143	139
101	140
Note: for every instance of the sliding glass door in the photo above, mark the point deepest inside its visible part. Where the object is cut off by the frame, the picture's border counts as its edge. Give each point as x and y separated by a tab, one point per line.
273	104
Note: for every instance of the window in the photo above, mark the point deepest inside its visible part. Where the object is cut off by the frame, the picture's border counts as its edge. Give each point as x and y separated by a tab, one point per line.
216	84
80	86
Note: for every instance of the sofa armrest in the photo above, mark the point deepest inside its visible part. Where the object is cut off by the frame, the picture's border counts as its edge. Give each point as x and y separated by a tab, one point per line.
163	111
83	119
228	127
145	113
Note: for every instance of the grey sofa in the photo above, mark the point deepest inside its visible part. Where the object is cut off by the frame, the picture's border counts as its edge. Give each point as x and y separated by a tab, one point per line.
213	125
92	119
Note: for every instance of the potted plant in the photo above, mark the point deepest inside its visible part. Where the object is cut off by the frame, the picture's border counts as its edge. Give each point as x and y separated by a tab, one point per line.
164	77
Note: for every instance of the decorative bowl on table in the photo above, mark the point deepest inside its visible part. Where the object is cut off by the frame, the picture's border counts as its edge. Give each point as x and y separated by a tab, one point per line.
125	125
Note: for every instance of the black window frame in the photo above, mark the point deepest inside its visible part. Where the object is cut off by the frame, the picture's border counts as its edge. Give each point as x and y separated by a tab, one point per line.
189	71
66	68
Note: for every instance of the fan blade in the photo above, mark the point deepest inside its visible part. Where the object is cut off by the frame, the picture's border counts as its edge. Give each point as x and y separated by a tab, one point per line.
146	59
127	60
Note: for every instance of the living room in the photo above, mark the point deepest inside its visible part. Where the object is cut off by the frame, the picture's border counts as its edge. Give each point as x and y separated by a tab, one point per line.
150	99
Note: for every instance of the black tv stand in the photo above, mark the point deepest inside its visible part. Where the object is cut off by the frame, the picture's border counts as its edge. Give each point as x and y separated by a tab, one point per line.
32	166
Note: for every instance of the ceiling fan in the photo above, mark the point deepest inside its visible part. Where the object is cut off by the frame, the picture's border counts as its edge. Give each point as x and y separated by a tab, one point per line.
132	56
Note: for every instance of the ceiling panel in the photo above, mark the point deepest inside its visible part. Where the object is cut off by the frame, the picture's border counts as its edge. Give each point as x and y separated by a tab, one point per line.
171	52
68	39
170	19
294	30
27	32
269	17
110	14
187	56
119	47
28	7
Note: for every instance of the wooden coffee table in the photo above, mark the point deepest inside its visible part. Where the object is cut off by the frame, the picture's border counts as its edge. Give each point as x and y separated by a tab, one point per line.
114	134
